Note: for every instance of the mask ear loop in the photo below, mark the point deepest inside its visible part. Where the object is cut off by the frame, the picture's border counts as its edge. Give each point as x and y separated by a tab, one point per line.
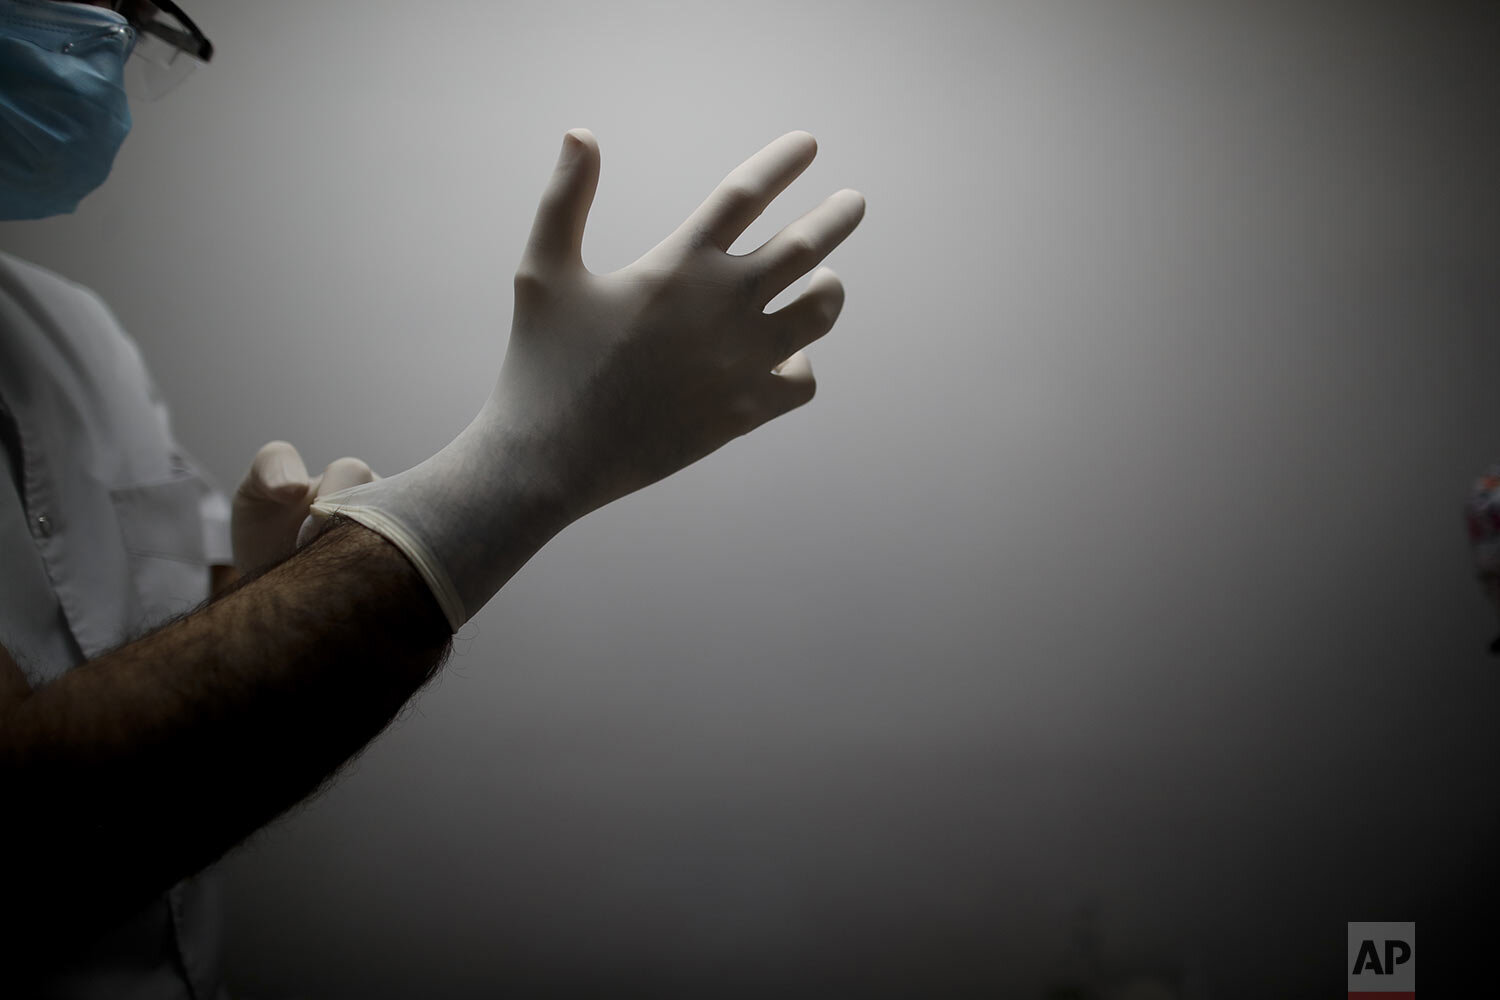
136	77
124	31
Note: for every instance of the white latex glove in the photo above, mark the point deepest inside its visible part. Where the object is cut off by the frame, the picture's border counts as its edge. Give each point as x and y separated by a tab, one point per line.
273	499
614	381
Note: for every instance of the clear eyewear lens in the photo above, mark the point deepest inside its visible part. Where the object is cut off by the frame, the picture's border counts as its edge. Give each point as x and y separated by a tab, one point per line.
155	68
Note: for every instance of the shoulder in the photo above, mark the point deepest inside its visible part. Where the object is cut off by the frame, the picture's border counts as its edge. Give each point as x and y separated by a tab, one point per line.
18	275
46	316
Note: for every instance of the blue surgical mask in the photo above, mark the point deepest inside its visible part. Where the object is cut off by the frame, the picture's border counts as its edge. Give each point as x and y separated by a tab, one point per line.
63	109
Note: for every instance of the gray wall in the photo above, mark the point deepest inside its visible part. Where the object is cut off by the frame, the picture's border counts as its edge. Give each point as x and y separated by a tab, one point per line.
1117	567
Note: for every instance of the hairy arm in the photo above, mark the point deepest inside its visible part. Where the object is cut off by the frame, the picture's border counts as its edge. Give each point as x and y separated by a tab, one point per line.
148	763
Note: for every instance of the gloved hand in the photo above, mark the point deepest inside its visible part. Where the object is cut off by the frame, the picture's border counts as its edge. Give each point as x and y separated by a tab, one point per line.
613	381
273	499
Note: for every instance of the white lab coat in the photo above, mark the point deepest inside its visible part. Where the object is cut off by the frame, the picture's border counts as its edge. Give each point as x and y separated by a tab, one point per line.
106	529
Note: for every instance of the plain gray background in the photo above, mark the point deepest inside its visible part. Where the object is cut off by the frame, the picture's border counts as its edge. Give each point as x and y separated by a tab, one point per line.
1117	568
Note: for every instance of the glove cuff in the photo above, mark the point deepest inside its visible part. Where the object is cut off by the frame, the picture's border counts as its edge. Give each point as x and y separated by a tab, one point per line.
393	531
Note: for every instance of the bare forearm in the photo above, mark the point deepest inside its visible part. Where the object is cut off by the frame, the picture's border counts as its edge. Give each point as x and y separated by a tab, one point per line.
147	763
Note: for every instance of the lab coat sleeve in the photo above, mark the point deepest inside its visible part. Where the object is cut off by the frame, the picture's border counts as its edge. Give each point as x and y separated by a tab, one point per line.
213	506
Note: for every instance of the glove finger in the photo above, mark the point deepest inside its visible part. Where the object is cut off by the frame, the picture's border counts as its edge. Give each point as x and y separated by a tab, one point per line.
803	244
339	475
342	474
312	526
277	474
791	383
557	233
810	316
749	189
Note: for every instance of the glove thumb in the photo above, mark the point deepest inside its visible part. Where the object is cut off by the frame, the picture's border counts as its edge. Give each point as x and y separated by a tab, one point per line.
340	475
277	475
556	240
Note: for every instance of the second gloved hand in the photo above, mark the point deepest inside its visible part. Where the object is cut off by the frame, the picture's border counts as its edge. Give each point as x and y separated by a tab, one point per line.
273	499
613	381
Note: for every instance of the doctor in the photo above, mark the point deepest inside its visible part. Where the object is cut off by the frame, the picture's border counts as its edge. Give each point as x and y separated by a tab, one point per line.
145	732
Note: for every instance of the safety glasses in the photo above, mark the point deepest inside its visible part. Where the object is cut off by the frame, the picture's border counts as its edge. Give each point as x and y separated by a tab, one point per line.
168	47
